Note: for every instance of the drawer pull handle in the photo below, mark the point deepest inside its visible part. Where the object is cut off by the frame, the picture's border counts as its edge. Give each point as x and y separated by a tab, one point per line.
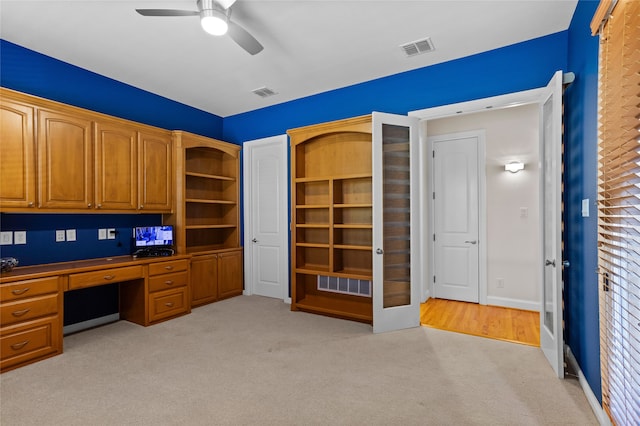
20	313
109	277
168	268
18	346
168	282
19	291
169	304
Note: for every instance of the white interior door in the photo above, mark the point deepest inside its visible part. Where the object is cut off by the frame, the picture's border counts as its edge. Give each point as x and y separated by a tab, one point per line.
551	337
396	223
456	217
265	217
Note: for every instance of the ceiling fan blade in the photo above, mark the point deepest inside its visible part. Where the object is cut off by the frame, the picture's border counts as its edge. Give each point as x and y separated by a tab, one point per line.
167	12
226	4
244	39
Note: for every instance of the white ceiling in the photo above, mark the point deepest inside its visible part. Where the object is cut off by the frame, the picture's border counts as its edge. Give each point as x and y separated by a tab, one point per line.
310	46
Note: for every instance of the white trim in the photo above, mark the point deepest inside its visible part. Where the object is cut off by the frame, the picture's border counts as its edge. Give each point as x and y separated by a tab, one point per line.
495	102
507	302
247	148
598	411
95	322
482	210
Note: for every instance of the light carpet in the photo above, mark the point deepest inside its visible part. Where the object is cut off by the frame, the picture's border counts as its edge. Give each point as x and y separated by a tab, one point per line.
249	360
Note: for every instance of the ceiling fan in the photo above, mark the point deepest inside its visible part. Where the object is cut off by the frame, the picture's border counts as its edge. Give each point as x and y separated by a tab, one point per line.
215	19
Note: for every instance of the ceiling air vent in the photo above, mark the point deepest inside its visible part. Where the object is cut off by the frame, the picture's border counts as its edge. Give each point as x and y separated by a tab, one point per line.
417	47
264	92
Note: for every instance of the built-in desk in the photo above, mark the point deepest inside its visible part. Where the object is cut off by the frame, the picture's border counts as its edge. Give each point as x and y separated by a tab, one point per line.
31	299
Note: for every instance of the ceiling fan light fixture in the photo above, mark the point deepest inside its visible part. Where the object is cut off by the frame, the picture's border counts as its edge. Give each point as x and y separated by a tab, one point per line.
214	22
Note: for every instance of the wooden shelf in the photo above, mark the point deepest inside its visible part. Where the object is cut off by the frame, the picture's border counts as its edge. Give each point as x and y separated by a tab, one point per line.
317	245
352	247
333	305
230	226
208	176
205	201
335	177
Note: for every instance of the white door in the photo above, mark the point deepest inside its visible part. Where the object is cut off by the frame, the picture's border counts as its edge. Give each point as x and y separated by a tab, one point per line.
551	338
456	217
396	219
265	217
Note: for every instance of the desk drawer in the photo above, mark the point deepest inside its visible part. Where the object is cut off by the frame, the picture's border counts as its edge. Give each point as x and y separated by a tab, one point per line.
27	309
170	266
30	342
168	303
28	288
168	281
105	276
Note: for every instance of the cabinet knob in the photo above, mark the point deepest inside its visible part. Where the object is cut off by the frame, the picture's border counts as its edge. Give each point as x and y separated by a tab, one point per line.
31	204
141	206
99	206
89	205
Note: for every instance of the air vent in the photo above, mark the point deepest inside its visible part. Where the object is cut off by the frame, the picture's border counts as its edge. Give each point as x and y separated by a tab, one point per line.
264	92
344	285
418	47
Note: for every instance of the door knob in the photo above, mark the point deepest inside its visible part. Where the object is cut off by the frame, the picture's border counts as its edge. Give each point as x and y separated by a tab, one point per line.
550	262
379	251
566	263
254	240
471	242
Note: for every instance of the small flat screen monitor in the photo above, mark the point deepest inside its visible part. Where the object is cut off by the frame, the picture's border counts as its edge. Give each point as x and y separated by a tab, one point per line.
153	236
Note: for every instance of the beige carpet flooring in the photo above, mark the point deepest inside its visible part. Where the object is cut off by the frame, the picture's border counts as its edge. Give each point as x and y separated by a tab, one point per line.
250	361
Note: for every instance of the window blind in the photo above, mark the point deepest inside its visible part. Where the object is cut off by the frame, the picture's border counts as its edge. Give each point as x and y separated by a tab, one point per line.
618	24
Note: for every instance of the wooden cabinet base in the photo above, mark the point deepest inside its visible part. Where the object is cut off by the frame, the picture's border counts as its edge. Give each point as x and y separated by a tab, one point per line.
29	342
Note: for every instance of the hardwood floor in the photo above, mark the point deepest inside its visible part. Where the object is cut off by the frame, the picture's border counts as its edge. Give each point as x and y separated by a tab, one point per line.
494	322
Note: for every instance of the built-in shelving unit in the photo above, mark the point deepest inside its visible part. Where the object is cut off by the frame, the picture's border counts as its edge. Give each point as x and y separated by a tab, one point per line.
207	215
332	218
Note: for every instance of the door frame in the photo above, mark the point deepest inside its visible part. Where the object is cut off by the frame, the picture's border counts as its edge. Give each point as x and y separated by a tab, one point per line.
526	97
482	209
247	150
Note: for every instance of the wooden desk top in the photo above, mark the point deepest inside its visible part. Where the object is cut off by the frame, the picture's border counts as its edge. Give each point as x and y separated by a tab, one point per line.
46	270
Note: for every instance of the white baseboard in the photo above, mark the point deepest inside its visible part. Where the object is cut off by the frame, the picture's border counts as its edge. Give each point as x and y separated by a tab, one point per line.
599	412
513	303
79	326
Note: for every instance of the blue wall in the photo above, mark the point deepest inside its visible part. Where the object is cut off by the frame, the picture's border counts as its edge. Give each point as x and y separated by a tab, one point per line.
522	66
581	280
31	72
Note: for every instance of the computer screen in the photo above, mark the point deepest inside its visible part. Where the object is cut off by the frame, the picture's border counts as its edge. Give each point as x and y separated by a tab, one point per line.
153	236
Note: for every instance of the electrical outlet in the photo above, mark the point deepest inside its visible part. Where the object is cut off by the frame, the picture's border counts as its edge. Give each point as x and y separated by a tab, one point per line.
6	238
20	237
60	235
111	233
71	234
102	234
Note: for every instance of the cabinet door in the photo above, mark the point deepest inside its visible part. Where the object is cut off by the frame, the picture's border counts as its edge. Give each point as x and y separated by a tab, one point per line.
230	274
65	177
17	174
116	183
204	279
154	171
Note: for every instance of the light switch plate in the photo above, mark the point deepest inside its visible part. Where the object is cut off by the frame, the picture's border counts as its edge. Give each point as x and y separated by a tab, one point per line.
20	237
111	233
585	207
60	235
6	238
102	234
71	234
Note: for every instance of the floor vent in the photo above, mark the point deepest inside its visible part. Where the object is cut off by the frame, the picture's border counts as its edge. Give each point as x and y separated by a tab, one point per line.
345	285
418	47
264	92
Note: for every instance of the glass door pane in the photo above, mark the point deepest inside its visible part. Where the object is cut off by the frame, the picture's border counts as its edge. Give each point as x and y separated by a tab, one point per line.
396	213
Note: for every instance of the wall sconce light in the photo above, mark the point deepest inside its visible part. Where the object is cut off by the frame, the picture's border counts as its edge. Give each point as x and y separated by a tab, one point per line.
514	166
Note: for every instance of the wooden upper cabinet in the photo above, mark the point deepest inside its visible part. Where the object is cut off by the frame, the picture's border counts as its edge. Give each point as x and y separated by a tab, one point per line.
18	171
65	157
155	173
116	180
